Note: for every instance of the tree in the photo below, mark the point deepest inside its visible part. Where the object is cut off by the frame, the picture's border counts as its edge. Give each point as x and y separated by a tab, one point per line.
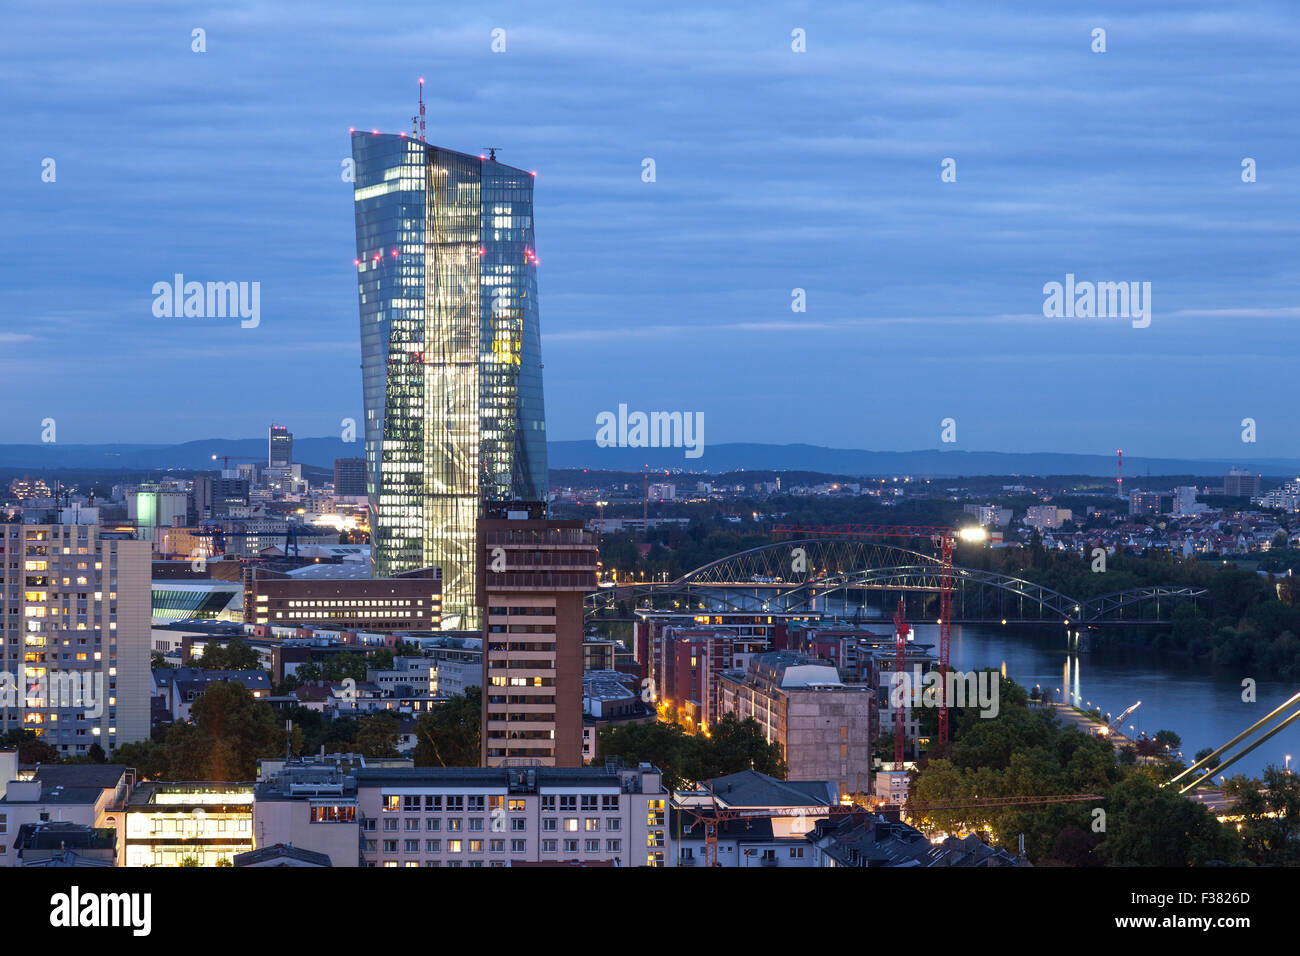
377	735
448	736
1270	811
228	732
149	758
237	655
1147	825
31	749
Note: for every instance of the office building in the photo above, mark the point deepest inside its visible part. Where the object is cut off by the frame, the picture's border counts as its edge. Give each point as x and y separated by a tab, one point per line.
338	594
279	447
532	581
1241	482
201	823
450	352
215	497
350	477
74	635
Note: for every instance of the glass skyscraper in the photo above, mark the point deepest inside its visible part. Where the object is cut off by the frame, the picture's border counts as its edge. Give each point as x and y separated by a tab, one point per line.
450	353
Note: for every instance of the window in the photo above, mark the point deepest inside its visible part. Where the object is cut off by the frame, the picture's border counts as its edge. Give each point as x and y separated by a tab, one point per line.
453	846
411	803
432	846
614	823
433	824
549	846
549	824
412	846
589	801
390	824
796	853
476	802
432	802
614	846
592	846
390	846
571	824
518	846
609	802
569	801
518	824
454	824
591	824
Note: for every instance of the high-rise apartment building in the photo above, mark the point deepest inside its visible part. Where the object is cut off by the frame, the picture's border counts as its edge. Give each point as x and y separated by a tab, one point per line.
450	353
532	580
279	447
75	635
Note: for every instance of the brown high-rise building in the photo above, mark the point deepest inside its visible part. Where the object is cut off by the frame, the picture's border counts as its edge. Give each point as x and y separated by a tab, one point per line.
532	577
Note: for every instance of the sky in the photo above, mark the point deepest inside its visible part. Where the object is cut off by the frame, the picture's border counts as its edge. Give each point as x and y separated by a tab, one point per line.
775	170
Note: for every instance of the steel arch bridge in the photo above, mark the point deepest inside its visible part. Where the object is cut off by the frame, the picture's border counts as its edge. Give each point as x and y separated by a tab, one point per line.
842	576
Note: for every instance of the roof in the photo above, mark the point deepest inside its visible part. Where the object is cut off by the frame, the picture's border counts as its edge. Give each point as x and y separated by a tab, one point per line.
750	788
104	776
280	851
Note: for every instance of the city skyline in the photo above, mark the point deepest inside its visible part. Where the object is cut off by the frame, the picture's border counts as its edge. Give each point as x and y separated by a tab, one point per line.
1116	166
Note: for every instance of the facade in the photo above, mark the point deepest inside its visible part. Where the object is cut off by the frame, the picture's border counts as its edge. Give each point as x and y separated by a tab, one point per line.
350	477
1241	482
532	582
1043	517
450	351
1144	503
169	823
214	497
483	816
823	725
686	666
411	599
76	603
311	805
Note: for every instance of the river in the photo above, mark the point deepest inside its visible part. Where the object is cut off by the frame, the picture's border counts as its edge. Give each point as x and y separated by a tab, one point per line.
1204	709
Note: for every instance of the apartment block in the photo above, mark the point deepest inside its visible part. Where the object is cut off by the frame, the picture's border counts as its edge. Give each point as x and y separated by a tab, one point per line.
494	817
532	578
822	725
75	606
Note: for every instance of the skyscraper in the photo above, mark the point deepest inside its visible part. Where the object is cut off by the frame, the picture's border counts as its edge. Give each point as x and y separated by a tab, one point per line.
279	447
450	353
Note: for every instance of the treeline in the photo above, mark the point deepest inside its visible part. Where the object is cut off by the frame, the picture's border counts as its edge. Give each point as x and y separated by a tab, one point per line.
730	746
1026	751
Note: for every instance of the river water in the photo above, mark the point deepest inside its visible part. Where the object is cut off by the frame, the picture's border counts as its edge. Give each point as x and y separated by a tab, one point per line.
1203	708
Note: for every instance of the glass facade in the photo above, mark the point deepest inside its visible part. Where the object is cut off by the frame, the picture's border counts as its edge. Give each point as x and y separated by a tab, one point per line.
450	350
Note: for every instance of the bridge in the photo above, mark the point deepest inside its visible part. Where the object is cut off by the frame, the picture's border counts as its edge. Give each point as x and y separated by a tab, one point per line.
841	576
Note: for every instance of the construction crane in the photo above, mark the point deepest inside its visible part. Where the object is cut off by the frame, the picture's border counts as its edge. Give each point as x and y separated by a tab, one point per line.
943	537
712	815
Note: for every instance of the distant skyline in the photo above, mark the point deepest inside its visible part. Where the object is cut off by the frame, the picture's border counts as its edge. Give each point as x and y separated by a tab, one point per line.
774	171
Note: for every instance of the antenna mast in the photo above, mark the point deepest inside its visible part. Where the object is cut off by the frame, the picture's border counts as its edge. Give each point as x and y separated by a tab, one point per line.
421	128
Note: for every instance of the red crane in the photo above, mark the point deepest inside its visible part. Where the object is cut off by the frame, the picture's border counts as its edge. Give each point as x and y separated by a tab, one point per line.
942	536
900	724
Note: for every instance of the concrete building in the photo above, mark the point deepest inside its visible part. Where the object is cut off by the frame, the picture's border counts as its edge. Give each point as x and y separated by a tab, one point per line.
82	795
75	606
686	665
532	580
1043	517
822	725
312	805
345	594
1144	503
485	816
1241	482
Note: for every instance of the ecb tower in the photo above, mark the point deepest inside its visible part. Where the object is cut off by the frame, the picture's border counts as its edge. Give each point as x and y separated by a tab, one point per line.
450	353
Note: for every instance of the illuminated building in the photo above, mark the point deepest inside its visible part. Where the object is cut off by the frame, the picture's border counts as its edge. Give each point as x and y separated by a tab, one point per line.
319	593
168	824
492	817
532	582
350	477
74	631
450	353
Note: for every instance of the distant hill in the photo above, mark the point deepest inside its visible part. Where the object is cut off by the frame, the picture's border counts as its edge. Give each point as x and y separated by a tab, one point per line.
733	456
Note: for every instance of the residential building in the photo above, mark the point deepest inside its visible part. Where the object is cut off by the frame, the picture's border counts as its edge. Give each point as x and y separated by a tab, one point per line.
489	816
450	353
75	603
208	822
312	805
82	795
533	578
822	725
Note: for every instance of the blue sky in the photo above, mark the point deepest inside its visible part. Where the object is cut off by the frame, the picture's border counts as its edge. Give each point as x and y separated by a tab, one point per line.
775	170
